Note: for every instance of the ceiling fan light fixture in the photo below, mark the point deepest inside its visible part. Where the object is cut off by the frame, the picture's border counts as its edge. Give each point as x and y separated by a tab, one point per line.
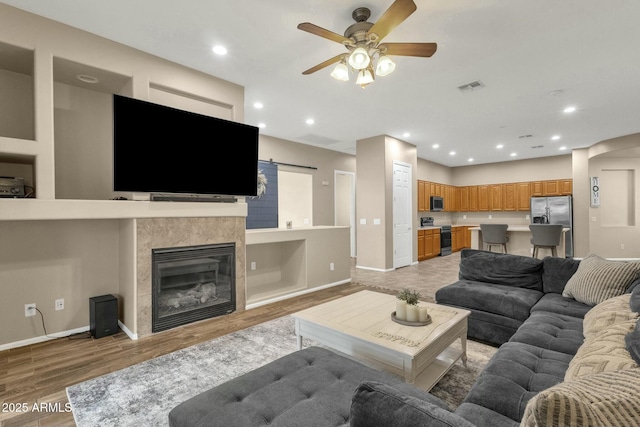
365	77
359	59
341	72
385	66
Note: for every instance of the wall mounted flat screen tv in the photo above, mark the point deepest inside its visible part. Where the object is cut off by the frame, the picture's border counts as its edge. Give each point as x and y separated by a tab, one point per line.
159	149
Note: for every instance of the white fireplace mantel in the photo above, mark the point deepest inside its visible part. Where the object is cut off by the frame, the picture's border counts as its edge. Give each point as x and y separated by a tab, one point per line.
40	209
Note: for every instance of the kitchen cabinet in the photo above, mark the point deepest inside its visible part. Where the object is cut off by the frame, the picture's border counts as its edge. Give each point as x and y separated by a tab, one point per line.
464	199
473	198
551	188
460	237
495	197
506	197
483	198
428	243
523	196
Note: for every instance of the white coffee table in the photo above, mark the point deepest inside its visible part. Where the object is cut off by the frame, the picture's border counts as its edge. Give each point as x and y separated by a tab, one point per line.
349	325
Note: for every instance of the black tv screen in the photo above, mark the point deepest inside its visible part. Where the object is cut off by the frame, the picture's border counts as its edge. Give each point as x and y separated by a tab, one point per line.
159	149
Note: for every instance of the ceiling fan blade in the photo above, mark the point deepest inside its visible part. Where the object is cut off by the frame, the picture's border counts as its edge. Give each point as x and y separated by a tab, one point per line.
392	17
319	31
324	64
409	49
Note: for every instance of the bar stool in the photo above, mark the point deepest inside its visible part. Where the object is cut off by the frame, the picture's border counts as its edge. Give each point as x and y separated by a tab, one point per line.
545	236
494	235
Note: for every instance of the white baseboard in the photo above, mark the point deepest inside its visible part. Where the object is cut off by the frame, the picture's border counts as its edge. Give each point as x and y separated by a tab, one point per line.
382	270
127	331
43	338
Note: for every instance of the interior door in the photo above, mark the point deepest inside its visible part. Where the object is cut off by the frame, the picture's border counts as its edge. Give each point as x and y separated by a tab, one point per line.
402	230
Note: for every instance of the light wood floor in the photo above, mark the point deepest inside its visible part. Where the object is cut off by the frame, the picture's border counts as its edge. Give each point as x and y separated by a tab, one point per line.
41	372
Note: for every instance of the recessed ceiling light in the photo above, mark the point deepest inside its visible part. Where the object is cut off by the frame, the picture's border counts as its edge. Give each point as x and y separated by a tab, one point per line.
258	105
569	109
499	146
310	121
470	159
219	50
262	125
406	135
562	148
513	154
452	153
435	146
555	137
87	78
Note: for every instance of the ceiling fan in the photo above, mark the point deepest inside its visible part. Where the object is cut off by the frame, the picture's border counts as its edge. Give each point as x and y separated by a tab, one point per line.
362	41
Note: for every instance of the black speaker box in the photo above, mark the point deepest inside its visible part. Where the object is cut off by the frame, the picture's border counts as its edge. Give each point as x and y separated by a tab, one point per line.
103	312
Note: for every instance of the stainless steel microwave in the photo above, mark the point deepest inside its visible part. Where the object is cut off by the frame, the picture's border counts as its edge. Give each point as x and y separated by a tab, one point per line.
436	204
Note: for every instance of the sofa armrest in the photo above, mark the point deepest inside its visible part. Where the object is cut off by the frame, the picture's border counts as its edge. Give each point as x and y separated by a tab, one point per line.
380	405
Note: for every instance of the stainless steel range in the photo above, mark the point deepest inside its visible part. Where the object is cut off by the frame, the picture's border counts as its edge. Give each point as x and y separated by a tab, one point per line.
445	240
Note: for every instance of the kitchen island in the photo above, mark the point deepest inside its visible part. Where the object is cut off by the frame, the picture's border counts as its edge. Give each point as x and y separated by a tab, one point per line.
519	241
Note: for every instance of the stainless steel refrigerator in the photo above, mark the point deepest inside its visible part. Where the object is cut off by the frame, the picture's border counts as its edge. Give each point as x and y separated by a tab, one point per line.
554	210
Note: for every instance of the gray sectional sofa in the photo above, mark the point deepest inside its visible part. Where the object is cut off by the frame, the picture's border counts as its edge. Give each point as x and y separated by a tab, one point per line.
550	343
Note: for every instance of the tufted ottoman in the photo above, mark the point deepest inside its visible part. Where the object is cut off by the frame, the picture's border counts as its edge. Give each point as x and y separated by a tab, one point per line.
310	387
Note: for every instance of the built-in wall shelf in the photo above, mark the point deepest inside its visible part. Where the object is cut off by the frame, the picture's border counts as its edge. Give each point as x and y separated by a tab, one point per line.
282	263
39	209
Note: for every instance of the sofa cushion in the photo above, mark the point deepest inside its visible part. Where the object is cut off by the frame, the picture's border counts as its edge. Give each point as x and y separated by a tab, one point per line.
634	301
605	399
508	301
556	272
608	313
514	375
483	417
632	343
556	303
378	404
552	331
598	279
602	351
501	269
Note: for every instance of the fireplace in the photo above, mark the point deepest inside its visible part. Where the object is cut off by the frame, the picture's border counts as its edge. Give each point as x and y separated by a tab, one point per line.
192	283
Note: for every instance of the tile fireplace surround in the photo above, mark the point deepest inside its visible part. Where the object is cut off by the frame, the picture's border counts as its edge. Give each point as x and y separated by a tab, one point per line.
151	233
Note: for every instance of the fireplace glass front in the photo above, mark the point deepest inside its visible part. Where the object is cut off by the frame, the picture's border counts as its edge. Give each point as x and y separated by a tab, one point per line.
192	283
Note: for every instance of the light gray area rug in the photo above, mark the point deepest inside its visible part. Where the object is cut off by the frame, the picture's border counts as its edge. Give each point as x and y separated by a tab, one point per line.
143	394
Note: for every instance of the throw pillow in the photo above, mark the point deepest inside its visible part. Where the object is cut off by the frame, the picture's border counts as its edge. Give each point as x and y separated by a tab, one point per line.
604	351
608	313
598	279
609	399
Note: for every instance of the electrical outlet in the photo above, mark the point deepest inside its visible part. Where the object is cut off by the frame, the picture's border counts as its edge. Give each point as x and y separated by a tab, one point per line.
622	246
60	304
332	266
30	310
253	265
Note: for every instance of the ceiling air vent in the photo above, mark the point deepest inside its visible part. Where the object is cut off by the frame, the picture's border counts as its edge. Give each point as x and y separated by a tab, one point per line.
471	86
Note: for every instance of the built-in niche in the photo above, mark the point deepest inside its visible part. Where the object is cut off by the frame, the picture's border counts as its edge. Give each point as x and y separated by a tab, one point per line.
17	112
83	129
